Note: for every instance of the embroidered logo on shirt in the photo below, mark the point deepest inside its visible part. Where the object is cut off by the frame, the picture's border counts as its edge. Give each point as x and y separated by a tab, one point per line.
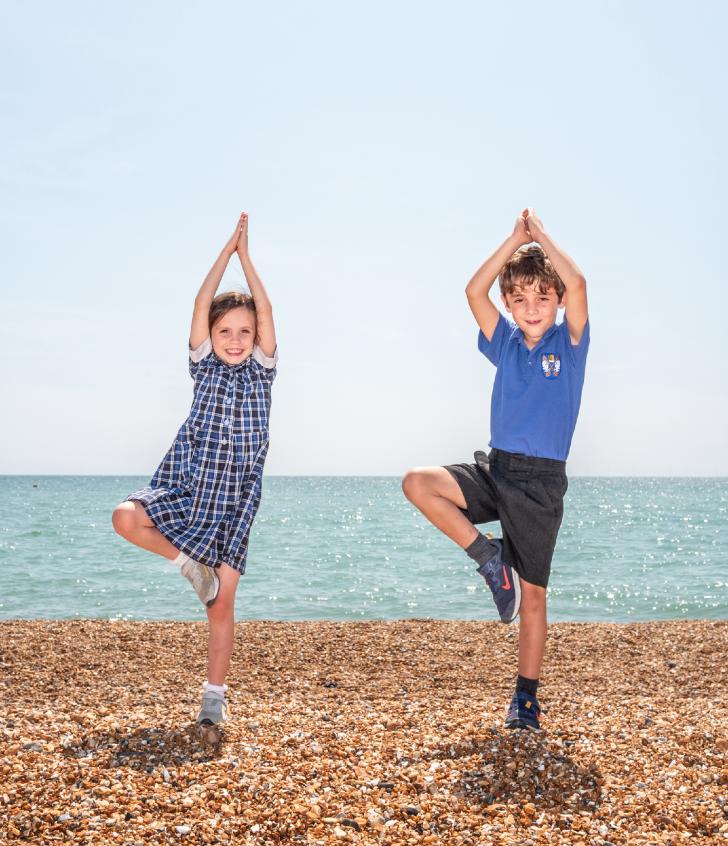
551	365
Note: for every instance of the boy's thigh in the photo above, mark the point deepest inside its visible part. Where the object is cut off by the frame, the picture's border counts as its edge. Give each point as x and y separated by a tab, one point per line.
433	480
478	499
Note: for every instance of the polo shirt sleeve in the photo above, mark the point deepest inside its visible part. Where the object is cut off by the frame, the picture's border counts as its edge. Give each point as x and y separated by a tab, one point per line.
577	352
492	349
198	355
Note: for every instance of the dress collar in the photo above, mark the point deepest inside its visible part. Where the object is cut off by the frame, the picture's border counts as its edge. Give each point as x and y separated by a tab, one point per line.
232	368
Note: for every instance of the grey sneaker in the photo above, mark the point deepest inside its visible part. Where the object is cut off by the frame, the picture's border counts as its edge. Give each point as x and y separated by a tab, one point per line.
214	709
203	579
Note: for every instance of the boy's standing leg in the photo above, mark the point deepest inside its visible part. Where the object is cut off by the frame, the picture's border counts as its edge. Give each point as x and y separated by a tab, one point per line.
436	493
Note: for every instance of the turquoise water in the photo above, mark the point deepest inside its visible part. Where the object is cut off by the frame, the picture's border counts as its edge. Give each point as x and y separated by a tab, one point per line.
341	548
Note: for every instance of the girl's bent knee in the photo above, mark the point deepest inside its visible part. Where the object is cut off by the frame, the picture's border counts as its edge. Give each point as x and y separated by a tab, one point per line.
123	519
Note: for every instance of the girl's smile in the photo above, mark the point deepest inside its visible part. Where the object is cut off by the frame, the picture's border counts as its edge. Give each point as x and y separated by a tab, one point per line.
233	336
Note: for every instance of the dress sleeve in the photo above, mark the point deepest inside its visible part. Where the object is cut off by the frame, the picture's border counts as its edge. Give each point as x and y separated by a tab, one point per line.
269	362
199	355
264	366
492	349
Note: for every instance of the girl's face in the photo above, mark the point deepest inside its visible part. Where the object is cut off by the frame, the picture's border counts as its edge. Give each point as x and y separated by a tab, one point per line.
233	335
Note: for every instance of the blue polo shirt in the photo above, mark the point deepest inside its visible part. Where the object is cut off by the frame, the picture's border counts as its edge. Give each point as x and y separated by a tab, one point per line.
537	393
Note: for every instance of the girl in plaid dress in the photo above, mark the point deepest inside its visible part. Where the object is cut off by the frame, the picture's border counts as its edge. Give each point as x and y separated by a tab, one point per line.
199	506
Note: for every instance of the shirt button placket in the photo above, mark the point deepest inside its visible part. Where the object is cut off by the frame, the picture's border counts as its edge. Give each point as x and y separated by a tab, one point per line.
226	420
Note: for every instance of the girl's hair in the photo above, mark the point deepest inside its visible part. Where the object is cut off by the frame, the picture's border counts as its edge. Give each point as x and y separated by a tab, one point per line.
528	266
223	303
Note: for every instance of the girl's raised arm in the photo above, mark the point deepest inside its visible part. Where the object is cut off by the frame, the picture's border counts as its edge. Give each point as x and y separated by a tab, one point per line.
263	308
200	330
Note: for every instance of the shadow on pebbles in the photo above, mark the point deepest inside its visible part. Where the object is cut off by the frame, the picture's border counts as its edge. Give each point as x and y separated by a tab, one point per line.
381	732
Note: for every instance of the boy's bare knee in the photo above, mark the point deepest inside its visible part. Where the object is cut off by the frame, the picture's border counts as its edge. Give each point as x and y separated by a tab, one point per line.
533	598
413	484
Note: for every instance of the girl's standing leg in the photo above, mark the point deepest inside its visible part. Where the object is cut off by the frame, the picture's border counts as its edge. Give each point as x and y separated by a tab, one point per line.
132	522
221	617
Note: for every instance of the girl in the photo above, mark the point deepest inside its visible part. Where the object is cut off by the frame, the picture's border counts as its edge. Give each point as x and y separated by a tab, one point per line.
198	509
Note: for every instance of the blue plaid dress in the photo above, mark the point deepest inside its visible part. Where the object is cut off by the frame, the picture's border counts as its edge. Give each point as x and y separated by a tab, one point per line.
205	493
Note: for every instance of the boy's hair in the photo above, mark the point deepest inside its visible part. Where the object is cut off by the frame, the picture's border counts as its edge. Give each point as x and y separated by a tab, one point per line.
223	303
528	266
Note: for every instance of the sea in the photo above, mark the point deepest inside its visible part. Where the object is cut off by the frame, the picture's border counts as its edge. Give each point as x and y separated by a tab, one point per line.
353	548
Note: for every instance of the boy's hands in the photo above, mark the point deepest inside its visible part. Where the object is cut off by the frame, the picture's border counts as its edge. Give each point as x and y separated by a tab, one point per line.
520	230
234	240
533	225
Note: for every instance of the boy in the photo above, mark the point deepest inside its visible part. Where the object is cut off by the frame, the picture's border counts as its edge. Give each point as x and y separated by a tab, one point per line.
534	406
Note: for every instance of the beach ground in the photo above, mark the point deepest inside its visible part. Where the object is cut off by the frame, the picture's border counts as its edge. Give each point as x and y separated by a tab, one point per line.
371	732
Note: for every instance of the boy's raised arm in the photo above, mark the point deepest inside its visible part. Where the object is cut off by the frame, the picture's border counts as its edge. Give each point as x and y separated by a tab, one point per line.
577	308
263	309
478	289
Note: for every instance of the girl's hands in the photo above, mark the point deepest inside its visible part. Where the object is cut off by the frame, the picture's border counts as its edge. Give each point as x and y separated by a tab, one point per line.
242	245
520	230
233	241
534	225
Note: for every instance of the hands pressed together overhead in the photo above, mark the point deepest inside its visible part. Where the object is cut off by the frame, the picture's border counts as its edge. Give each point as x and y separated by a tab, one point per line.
238	241
528	227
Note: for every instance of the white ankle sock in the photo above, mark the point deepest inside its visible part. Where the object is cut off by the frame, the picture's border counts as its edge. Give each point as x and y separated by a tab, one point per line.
215	688
179	560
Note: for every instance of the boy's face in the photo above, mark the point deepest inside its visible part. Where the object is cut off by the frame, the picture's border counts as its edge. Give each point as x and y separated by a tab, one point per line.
534	311
233	335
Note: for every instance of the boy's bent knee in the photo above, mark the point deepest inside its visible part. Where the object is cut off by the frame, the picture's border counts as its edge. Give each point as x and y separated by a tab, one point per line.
414	483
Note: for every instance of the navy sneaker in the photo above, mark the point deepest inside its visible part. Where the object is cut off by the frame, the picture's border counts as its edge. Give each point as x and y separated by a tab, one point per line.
524	712
504	584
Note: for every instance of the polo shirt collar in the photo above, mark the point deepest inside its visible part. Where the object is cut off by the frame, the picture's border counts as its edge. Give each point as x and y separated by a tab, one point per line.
518	334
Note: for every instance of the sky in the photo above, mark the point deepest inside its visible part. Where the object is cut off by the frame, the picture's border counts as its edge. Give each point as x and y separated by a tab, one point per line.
382	151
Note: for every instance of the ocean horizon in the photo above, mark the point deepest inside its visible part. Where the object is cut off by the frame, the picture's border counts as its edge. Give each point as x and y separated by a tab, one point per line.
353	548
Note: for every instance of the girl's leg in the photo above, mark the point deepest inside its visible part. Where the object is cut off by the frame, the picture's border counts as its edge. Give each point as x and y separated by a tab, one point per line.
221	618
131	521
532	630
438	496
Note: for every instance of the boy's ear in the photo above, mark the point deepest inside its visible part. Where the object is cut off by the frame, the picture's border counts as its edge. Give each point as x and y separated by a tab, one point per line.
505	303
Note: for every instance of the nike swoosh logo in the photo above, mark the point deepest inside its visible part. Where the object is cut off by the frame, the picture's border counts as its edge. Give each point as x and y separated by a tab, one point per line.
507	585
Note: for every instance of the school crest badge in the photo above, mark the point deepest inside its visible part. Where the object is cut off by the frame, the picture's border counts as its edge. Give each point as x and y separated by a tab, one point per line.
551	365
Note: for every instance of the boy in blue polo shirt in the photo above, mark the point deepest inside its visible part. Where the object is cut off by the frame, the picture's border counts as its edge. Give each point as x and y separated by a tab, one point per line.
535	402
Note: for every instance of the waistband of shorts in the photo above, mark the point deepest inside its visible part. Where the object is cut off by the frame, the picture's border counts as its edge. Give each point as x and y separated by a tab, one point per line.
519	463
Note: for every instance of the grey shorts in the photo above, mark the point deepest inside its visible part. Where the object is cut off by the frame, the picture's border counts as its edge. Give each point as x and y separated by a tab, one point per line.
527	495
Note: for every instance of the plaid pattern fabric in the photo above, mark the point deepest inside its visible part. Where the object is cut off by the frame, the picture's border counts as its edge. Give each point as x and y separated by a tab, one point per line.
205	493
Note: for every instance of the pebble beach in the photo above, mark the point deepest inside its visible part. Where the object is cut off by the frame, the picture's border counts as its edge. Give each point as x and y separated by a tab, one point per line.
362	733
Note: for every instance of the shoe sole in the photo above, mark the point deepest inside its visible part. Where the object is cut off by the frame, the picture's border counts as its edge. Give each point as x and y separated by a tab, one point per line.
217	591
216	582
520	724
517	590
